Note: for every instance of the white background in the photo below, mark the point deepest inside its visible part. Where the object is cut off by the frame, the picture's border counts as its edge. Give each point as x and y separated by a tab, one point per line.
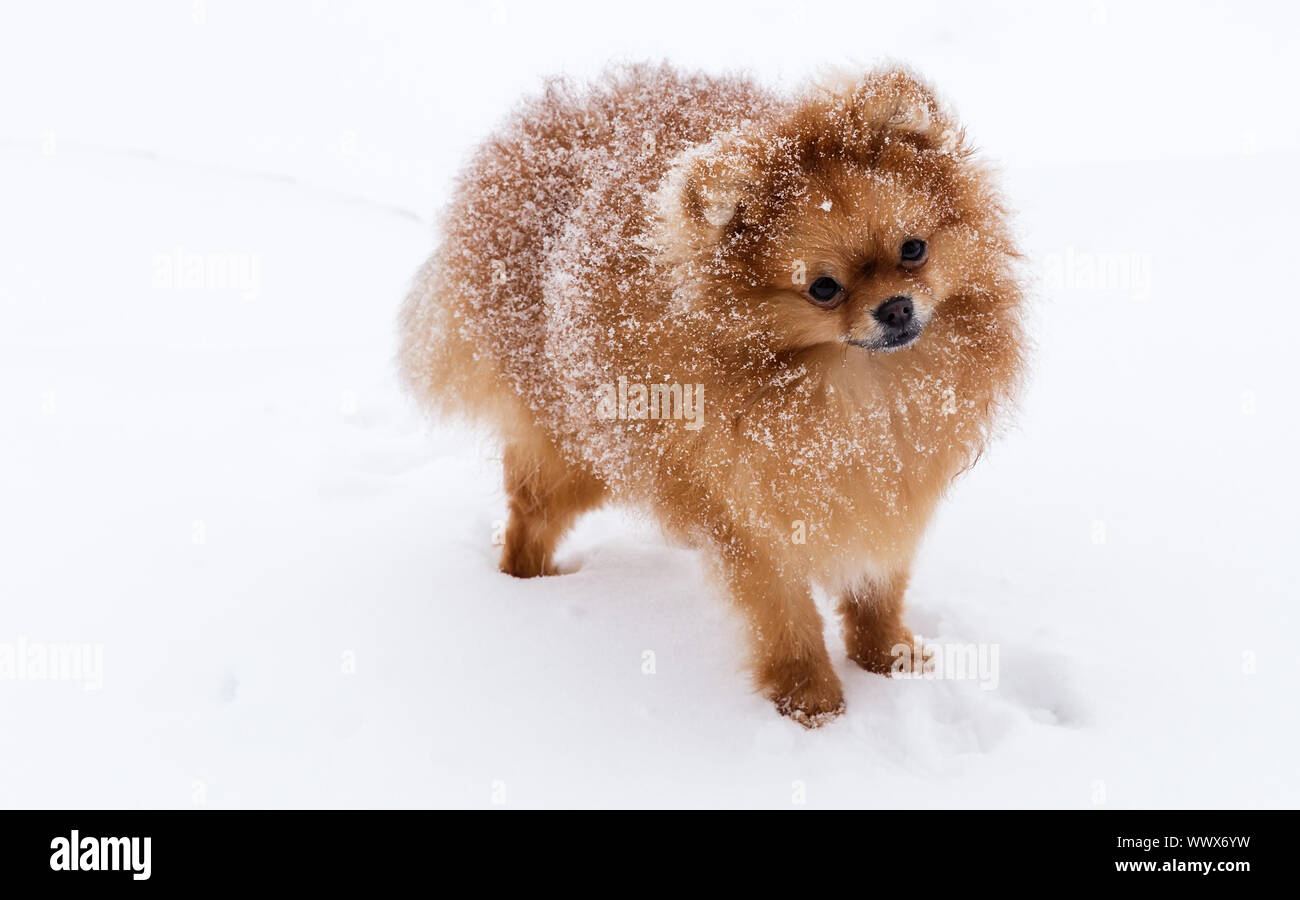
291	576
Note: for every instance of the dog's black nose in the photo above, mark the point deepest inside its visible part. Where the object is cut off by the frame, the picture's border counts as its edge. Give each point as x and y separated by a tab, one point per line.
895	313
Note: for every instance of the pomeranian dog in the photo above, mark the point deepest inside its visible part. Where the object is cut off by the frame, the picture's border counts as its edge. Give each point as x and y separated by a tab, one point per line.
781	324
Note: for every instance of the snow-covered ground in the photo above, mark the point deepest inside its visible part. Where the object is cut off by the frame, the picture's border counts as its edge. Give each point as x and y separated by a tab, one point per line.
216	484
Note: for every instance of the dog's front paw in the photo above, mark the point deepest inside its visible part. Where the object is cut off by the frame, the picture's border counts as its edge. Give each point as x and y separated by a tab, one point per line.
525	560
812	715
894	652
812	702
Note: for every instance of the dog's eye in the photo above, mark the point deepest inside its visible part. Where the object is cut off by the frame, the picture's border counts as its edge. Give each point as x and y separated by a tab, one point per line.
824	289
913	253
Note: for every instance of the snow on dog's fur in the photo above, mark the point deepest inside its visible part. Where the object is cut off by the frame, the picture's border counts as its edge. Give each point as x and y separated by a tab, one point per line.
835	270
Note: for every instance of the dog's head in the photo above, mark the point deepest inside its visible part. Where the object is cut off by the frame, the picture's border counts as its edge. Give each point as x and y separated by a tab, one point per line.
849	219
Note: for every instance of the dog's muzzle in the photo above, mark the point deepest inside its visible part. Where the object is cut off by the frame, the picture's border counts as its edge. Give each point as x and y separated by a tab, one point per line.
899	325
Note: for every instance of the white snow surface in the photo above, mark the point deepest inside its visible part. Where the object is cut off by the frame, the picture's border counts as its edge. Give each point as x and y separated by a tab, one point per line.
291	576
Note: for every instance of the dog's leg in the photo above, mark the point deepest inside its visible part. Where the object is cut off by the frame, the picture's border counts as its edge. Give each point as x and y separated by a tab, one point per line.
546	495
872	614
790	662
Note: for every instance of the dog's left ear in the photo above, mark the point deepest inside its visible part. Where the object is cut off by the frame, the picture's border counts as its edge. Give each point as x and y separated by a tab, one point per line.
896	101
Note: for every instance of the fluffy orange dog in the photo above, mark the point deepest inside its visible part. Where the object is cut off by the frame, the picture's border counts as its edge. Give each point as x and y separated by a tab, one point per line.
783	325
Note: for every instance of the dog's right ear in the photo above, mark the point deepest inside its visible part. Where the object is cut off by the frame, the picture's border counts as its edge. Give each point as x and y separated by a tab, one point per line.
704	191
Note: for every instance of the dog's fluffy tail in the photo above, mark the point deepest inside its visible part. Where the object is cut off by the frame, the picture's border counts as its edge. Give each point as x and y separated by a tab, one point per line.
440	365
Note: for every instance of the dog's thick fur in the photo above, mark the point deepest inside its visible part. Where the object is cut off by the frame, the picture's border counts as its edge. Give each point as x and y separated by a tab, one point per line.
663	227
